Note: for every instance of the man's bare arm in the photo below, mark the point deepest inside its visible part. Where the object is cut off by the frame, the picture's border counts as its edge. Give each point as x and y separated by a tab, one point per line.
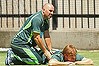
85	61
54	62
40	44
47	40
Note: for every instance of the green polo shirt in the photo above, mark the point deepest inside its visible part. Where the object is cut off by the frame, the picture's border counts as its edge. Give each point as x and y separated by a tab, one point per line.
59	56
34	24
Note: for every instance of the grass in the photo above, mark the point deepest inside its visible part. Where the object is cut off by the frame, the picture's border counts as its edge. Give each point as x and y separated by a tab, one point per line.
92	55
2	58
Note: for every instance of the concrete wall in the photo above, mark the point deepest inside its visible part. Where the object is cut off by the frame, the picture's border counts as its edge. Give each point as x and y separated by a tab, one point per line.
5	38
81	39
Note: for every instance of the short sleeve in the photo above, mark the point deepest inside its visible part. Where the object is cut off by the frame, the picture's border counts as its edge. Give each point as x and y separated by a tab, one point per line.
58	56
36	25
79	57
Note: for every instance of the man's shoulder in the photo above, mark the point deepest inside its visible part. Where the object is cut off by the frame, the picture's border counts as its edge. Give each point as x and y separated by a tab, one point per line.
58	55
58	52
39	13
79	57
37	16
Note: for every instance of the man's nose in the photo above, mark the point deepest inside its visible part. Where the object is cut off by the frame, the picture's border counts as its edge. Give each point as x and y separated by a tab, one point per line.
74	57
52	13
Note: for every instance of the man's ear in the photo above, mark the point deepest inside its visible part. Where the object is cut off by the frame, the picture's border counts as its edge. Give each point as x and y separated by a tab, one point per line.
43	10
65	57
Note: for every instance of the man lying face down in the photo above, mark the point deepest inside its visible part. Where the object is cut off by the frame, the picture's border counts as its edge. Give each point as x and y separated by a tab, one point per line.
69	55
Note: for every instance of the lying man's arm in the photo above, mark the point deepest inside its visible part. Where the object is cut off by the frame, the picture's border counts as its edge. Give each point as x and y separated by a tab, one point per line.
54	62
85	61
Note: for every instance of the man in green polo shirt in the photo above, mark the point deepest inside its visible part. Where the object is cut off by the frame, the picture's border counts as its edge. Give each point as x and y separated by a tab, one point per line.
23	45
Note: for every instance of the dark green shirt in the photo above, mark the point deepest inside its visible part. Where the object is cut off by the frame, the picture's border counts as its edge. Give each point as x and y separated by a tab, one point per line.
59	56
34	24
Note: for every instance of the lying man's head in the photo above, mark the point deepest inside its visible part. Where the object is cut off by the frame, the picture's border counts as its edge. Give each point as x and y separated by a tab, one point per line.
69	53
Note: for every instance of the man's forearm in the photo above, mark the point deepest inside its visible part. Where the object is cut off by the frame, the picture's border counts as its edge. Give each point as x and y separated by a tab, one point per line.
48	43
58	63
40	43
88	61
47	40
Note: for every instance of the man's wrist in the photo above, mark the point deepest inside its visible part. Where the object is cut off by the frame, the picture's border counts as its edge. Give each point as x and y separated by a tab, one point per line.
50	51
47	54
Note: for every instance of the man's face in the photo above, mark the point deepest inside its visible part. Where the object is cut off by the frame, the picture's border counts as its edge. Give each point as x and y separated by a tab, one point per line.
70	56
48	12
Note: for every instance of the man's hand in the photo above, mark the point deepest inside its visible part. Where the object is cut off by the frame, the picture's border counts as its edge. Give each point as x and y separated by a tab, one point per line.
47	54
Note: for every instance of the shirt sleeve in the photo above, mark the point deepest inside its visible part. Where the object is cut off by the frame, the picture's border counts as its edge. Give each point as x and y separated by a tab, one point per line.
36	25
79	57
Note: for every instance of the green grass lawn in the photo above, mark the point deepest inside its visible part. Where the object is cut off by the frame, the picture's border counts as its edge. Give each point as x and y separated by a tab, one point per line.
2	58
92	55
